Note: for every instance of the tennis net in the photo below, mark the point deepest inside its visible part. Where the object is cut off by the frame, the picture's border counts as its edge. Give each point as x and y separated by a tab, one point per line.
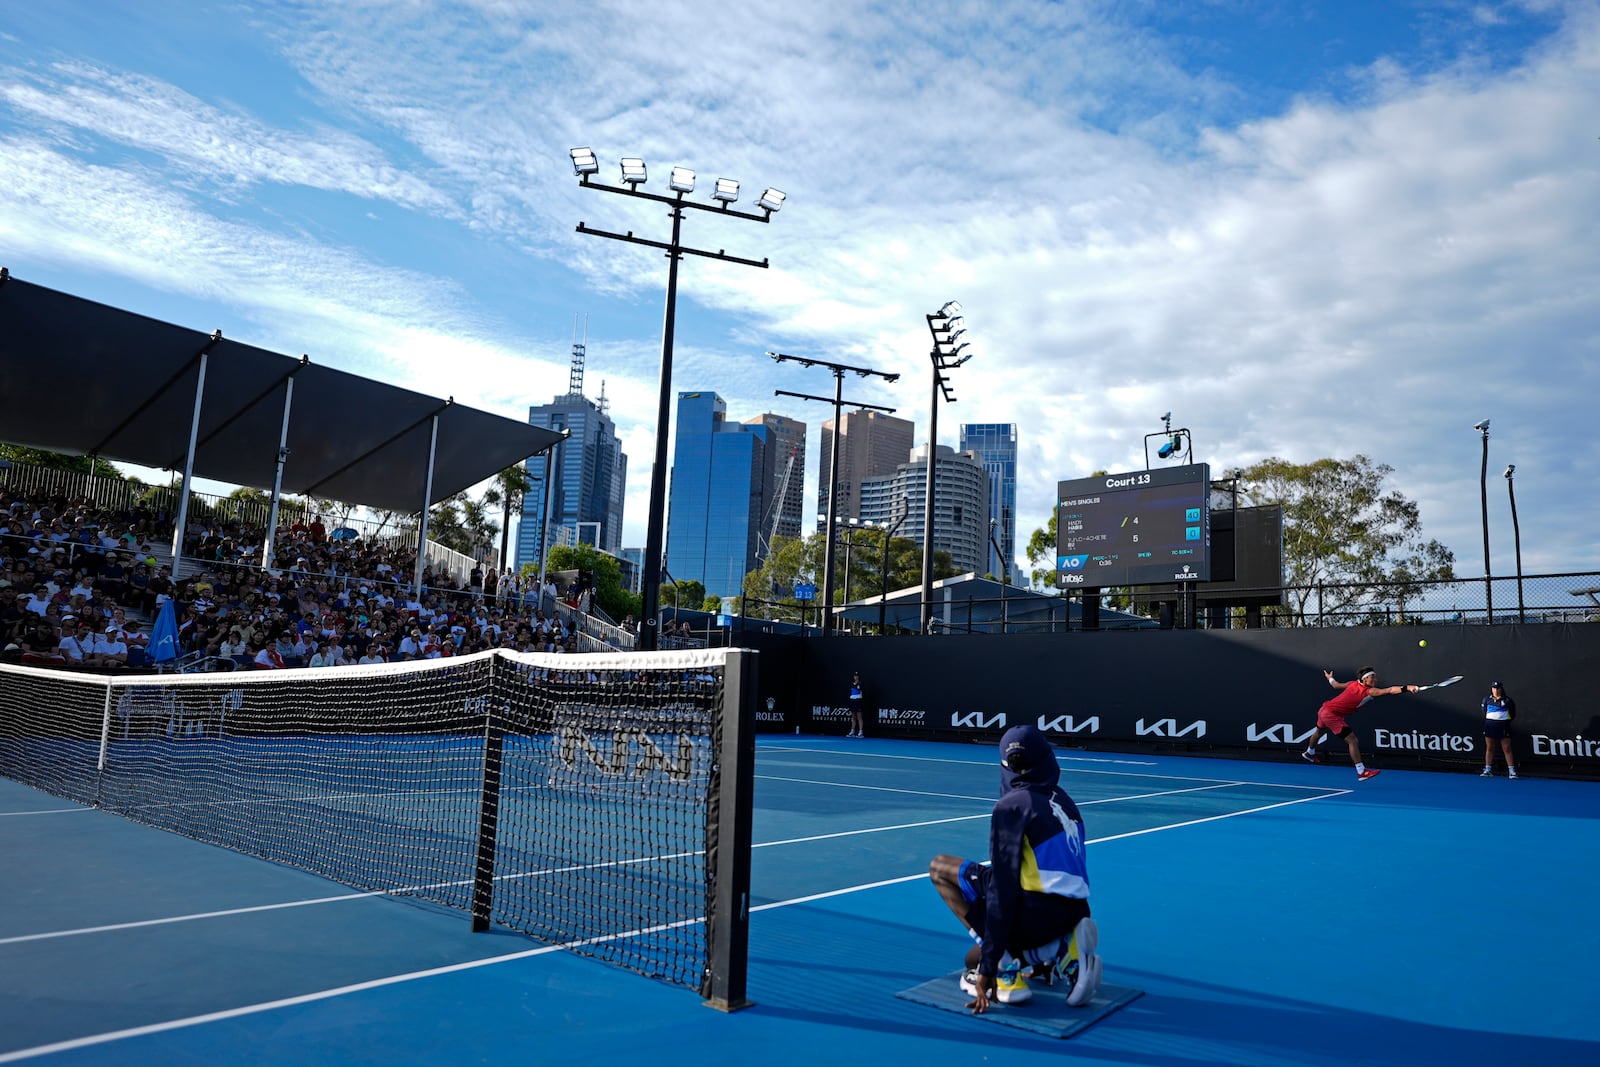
598	802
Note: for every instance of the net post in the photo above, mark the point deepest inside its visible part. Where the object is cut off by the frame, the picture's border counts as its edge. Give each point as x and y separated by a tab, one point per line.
729	820
105	729
488	807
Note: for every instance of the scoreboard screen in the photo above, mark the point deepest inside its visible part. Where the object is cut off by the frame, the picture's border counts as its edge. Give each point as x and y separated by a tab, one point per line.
1141	528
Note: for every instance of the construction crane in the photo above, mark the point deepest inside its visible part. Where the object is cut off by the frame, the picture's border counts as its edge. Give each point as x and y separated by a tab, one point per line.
771	528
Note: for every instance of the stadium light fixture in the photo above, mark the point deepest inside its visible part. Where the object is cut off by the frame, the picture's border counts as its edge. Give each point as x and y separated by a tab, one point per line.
681	182
948	352
830	521
633	171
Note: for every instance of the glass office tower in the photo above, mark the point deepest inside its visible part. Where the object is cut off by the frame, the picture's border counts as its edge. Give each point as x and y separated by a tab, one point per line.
995	444
714	507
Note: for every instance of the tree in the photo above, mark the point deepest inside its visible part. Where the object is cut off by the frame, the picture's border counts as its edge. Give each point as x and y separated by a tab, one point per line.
507	493
60	461
1042	550
1343	532
606	569
793	560
688	594
1042	554
462	523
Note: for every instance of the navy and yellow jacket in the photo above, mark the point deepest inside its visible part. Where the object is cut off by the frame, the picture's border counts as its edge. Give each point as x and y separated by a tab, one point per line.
1036	844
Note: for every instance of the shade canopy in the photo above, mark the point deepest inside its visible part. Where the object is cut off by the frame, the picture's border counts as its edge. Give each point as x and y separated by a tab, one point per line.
86	379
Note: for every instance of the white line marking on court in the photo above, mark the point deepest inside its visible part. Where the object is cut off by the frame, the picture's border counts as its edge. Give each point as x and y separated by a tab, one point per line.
1059	756
378	983
994	763
44	811
869	830
328	994
1092	841
877	788
135	924
543	872
1162	793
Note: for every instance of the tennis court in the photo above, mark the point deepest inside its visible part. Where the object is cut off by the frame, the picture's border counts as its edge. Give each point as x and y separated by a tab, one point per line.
1270	913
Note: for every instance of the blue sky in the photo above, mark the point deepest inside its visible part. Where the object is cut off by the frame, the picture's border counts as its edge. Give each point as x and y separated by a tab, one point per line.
1305	229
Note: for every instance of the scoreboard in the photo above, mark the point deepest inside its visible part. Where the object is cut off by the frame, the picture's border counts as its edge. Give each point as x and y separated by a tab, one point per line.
1141	528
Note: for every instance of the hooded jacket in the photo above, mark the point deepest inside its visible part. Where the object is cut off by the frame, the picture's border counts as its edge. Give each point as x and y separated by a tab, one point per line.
1036	848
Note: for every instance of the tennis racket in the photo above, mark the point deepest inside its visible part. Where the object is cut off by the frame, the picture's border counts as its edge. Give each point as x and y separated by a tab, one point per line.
1440	685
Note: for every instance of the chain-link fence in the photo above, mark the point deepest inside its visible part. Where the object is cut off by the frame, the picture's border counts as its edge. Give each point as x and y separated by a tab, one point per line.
1542	598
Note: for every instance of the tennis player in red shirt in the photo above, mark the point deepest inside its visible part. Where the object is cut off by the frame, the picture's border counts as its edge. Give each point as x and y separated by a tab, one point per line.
1331	716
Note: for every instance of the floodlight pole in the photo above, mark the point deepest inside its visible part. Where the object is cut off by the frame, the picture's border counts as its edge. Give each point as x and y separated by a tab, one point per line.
883	601
655	529
1005	572
1483	495
1516	532
943	357
838	370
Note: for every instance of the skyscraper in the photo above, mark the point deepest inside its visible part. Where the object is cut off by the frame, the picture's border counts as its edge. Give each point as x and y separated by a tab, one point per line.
714	507
871	443
783	503
995	444
589	472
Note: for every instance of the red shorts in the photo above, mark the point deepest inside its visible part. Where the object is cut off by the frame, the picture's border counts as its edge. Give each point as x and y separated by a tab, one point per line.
1333	722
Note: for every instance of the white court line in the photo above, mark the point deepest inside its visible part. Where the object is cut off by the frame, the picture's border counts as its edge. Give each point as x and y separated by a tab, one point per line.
1092	841
1064	759
377	983
324	994
543	872
44	811
995	763
135	924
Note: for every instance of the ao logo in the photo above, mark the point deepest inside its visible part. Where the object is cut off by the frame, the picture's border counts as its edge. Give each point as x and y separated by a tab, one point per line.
1071	563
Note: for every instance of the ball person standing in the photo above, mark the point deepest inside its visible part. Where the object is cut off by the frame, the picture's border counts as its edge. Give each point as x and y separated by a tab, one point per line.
1498	711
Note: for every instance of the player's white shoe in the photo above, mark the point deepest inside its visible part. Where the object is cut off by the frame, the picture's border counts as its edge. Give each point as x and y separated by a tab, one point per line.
1082	964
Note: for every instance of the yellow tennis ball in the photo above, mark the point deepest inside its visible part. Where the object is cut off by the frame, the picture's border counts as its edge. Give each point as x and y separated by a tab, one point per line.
1422	644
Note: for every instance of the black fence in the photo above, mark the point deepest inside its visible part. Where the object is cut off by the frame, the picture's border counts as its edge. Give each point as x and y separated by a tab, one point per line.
1542	598
1239	693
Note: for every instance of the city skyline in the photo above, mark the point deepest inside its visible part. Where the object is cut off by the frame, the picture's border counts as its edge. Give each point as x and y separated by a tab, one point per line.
1274	222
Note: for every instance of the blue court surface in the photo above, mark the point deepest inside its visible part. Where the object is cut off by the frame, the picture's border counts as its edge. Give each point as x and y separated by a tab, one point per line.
1270	914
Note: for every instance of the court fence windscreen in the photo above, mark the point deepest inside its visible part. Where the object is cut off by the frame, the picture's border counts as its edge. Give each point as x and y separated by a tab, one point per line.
600	802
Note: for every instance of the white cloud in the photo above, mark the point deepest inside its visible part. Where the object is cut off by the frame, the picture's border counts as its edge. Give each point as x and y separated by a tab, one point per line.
1339	278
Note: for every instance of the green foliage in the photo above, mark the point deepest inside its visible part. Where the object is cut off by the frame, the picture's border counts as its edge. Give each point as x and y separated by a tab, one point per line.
507	492
1042	554
607	570
794	560
58	461
712	604
687	594
462	523
1341	525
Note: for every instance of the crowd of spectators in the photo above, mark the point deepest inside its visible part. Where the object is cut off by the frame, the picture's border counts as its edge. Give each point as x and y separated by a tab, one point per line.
73	578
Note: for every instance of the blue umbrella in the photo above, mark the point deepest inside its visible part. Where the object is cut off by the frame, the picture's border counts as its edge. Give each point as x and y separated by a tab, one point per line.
344	533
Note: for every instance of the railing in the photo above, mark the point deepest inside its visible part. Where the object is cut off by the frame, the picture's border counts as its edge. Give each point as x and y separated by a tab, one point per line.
1547	598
